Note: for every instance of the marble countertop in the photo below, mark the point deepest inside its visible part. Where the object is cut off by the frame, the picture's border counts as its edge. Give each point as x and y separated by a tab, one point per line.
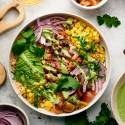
115	39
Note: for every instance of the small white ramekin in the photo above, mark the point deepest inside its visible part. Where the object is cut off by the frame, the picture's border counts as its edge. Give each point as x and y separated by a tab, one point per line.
115	90
88	7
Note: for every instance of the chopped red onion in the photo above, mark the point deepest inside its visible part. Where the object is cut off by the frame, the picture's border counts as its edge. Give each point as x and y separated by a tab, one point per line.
76	71
38	34
72	92
97	87
102	71
85	86
10	118
42	40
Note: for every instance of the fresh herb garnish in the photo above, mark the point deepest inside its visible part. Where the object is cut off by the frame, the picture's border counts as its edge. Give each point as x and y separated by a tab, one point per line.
27	33
37	51
108	20
27	38
104	118
67	82
19	46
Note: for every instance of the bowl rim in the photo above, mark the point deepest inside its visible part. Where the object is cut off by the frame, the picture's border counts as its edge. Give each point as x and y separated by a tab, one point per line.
19	109
100	4
114	93
99	94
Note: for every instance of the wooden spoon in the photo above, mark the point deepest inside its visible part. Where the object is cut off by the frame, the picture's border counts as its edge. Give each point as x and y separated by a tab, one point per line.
4	26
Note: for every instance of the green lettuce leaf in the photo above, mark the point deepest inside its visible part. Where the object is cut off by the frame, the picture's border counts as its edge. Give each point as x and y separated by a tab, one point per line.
28	69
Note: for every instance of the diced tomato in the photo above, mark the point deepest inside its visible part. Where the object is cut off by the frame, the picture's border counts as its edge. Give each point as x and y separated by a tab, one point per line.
88	96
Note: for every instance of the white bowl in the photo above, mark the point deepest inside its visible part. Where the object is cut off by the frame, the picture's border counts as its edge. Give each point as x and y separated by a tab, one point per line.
88	7
16	109
118	85
43	111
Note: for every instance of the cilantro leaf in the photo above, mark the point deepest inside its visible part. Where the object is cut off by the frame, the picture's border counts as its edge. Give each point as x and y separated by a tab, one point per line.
115	21
23	43
37	51
100	20
19	46
108	20
104	118
66	83
27	33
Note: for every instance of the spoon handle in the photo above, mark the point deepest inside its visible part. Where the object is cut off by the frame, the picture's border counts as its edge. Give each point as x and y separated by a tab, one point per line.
4	26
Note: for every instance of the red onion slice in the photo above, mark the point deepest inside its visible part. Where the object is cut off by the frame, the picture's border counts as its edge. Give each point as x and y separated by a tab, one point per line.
75	72
10	118
85	86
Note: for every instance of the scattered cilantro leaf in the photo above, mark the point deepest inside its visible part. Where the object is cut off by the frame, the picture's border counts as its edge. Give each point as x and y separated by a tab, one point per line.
104	118
108	20
100	20
115	21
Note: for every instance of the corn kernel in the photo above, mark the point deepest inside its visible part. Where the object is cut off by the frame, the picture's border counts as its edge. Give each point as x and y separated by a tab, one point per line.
28	90
37	83
41	87
48	105
30	95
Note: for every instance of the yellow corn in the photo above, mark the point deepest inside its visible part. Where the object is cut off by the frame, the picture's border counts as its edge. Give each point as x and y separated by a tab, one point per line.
41	87
48	105
37	83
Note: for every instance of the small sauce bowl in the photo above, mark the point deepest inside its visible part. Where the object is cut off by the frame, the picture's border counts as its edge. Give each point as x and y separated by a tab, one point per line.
114	97
100	4
18	111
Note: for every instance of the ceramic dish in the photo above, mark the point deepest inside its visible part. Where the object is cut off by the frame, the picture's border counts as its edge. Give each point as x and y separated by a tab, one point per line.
114	98
8	110
107	63
100	4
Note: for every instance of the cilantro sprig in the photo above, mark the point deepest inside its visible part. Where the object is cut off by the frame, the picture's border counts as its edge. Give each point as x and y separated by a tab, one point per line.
103	118
108	20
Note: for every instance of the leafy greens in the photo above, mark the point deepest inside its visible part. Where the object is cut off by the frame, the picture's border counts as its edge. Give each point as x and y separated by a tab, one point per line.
28	68
66	83
108	20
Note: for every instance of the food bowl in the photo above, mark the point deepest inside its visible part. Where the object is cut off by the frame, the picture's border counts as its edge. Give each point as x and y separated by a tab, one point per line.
114	99
107	63
9	109
100	4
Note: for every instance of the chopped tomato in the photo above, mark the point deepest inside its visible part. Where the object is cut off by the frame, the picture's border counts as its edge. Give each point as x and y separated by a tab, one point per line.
88	96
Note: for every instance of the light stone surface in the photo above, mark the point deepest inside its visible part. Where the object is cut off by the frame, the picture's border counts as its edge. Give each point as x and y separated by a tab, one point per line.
115	40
